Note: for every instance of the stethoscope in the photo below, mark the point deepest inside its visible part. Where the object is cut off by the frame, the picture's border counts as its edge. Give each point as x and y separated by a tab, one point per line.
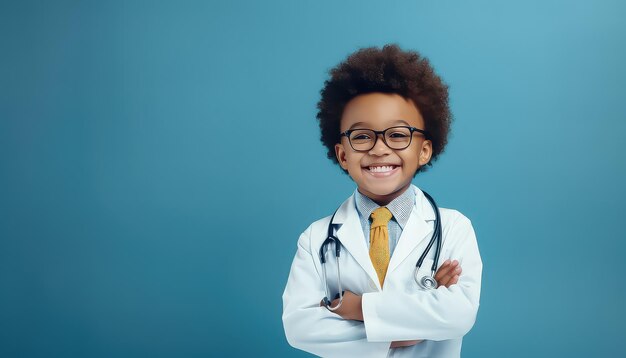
426	282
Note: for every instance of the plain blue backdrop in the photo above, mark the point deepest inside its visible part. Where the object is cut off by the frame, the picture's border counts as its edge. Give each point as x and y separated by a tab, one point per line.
158	161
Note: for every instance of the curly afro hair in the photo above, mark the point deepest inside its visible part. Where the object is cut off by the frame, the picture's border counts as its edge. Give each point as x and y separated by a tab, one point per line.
386	70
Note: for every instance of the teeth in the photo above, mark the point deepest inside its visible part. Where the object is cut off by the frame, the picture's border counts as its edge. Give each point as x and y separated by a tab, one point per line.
382	169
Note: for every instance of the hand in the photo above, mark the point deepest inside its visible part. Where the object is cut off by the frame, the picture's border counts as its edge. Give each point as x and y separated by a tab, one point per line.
397	344
351	308
448	273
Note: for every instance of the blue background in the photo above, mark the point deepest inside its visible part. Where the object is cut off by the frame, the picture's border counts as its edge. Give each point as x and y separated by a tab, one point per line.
136	221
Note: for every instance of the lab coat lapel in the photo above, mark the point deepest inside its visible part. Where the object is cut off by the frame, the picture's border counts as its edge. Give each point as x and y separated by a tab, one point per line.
418	228
351	236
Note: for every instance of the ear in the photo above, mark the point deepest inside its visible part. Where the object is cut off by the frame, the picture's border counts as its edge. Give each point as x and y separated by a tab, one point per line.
426	152
340	153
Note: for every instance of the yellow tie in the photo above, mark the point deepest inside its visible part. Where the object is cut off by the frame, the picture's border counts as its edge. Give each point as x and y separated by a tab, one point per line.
379	242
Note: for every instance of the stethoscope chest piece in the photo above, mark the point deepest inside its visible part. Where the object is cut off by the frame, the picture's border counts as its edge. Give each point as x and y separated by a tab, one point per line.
426	282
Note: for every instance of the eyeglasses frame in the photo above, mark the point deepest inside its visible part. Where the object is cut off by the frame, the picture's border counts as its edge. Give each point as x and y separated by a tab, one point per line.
412	129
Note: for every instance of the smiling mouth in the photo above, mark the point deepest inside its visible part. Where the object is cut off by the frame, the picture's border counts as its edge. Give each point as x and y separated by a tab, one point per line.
381	168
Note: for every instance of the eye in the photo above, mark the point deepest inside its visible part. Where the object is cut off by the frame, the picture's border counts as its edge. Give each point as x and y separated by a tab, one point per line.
361	136
398	135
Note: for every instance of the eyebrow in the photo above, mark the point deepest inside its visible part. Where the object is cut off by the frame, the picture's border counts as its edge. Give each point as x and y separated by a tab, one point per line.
397	121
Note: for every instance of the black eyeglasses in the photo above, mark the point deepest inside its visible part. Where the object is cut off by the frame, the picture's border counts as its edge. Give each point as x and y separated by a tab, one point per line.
363	140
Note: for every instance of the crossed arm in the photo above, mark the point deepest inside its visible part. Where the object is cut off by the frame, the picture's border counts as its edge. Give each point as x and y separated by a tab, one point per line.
365	325
352	309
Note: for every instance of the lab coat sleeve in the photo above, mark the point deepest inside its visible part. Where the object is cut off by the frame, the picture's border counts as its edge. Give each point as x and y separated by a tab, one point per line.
312	328
441	314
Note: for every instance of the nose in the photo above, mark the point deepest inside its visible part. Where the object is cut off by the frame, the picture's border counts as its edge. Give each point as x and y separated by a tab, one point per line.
380	147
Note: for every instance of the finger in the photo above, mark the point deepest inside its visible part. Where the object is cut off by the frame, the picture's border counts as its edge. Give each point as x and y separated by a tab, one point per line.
455	274
443	281
453	281
446	271
447	280
443	270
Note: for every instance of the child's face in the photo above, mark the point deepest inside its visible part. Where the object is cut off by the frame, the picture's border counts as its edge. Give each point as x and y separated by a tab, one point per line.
379	111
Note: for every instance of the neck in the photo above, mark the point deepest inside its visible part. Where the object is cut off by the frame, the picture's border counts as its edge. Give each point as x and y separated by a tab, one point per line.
384	200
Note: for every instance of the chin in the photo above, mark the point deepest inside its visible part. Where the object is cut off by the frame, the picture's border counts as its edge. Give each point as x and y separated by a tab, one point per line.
384	190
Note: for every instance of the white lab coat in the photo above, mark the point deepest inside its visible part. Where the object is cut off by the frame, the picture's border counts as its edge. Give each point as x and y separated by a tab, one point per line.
400	311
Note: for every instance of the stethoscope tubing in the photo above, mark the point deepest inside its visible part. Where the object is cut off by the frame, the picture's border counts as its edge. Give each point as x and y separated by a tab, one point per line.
426	282
335	240
436	237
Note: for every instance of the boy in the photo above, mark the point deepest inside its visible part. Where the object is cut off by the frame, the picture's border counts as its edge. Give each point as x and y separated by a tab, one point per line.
383	117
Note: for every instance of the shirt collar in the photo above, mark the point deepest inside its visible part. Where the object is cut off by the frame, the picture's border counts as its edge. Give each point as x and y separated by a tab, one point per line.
400	207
